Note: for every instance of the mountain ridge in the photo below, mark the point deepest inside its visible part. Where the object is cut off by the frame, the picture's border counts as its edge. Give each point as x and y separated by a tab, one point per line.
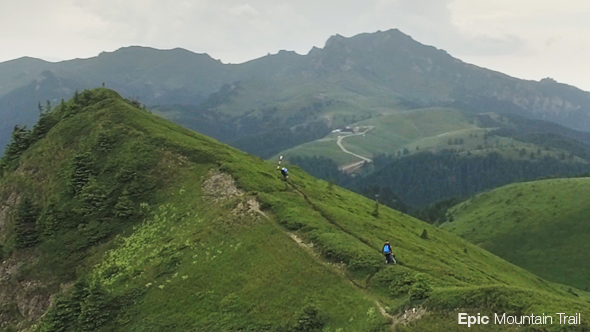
207	239
362	75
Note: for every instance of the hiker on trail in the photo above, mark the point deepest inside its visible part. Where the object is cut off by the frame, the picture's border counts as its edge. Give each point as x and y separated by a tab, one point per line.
285	173
389	256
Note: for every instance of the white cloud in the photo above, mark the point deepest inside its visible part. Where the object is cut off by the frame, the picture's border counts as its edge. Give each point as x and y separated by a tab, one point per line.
244	10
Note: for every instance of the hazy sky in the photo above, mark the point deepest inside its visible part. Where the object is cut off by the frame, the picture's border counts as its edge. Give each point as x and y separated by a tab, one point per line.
529	39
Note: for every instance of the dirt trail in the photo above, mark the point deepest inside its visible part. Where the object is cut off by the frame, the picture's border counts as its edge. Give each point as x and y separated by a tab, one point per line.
403	318
352	167
339	142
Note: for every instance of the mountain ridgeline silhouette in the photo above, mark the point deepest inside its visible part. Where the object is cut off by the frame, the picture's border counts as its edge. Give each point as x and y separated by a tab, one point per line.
356	76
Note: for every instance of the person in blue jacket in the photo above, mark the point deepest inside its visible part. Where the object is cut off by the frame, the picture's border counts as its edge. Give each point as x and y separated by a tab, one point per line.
285	173
388	252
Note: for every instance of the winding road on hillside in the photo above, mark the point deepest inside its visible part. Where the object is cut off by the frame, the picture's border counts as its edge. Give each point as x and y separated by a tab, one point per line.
364	159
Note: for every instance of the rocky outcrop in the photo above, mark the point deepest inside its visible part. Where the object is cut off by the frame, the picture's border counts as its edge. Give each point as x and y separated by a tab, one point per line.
5	209
22	302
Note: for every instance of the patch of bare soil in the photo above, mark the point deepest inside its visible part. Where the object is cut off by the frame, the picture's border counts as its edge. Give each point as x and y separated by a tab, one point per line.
221	186
299	241
251	207
309	247
408	316
404	318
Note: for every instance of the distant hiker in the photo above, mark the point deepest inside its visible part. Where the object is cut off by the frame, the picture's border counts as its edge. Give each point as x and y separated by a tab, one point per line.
285	173
389	256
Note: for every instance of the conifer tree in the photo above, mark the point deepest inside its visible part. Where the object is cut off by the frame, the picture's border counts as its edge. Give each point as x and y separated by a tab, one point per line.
25	224
94	197
94	309
43	126
124	208
19	143
376	211
309	320
81	173
61	317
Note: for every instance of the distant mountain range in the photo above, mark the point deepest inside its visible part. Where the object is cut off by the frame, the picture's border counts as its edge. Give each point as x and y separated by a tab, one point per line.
301	97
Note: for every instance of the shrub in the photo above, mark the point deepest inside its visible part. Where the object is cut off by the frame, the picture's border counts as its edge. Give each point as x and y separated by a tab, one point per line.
420	288
401	283
424	235
230	303
309	320
417	285
106	140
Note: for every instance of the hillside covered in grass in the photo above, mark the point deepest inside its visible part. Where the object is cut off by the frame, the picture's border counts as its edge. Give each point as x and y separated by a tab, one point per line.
541	226
418	158
116	220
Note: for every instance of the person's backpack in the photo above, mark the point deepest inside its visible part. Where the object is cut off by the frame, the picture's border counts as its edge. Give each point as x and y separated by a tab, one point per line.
387	249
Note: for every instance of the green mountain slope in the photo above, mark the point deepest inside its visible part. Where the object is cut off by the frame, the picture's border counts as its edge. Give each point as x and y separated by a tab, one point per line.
541	226
116	220
348	80
435	130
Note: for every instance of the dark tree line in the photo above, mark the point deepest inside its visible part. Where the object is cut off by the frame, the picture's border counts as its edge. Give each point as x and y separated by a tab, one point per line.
426	178
263	132
426	184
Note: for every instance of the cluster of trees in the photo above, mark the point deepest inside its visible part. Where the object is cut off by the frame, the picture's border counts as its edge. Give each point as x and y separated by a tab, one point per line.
426	178
22	137
571	147
263	132
426	184
97	197
267	143
87	307
89	208
457	141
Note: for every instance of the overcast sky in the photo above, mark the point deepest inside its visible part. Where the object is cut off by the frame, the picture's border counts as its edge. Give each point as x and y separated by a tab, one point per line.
529	39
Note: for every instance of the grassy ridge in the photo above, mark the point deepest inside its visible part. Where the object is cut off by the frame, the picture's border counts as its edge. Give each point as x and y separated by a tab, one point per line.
541	226
430	129
189	257
392	132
